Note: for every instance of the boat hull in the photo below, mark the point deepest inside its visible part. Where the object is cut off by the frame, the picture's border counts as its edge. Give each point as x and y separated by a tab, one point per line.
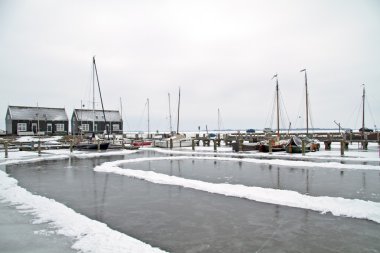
93	146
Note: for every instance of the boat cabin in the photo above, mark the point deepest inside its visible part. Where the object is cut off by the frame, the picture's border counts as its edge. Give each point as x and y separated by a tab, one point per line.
27	120
92	121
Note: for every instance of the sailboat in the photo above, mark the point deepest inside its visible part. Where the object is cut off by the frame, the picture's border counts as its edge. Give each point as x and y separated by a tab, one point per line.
176	140
95	146
294	145
276	145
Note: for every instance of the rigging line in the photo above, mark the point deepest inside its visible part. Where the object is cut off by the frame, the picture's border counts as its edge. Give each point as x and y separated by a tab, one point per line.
358	115
298	116
370	112
266	119
283	104
310	114
271	113
141	117
350	117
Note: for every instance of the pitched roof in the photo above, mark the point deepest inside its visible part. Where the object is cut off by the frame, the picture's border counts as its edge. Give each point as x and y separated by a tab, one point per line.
88	115
37	113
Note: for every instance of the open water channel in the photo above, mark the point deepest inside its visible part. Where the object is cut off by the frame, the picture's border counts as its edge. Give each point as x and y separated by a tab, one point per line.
178	219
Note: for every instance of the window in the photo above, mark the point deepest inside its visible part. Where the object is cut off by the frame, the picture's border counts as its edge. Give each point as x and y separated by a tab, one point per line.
60	127
115	127
49	128
85	127
21	127
96	128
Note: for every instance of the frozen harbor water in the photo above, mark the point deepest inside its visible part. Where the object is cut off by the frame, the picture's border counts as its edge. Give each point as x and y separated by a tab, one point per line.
178	219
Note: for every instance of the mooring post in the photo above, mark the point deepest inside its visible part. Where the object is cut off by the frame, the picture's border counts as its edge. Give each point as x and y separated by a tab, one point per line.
303	147
6	149
193	144
71	146
39	148
171	143
342	148
98	145
365	144
215	145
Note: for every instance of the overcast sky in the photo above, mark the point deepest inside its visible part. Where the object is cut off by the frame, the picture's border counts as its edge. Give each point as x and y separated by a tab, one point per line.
222	53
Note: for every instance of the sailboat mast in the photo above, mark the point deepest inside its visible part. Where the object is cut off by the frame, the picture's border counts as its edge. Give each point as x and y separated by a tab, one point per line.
363	109
121	113
93	95
147	101
170	116
307	103
101	99
179	103
218	120
278	109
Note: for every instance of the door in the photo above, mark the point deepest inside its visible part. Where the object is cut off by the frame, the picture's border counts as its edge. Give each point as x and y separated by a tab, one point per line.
49	128
34	127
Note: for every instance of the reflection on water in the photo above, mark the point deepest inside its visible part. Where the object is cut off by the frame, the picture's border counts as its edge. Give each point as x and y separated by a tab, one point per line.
185	220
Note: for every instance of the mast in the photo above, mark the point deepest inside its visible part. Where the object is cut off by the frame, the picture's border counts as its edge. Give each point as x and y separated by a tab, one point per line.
147	101
278	107
179	103
101	99
218	120
121	114
363	110
93	95
307	103
170	116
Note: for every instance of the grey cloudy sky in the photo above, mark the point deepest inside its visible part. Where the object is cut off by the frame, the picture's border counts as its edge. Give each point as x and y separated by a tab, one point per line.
222	53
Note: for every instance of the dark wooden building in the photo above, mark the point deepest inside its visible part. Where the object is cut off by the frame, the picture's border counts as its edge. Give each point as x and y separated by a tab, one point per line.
90	121
25	120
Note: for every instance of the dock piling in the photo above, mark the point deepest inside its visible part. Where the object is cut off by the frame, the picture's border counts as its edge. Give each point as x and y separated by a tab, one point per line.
270	146
303	147
39	148
6	149
342	148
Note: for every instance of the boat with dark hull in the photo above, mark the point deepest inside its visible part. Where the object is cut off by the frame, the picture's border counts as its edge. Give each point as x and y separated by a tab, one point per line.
93	146
294	145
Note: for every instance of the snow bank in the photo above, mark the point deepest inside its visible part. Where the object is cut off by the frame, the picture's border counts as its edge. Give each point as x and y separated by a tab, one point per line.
90	235
354	208
37	138
303	164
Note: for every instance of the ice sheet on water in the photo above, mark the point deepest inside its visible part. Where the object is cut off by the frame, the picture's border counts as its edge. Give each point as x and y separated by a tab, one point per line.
354	208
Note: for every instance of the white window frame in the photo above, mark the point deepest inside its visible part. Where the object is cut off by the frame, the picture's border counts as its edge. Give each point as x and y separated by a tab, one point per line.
85	127
115	127
21	127
60	127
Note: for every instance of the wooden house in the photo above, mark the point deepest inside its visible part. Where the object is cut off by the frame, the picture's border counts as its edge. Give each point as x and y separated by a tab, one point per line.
92	121
26	120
